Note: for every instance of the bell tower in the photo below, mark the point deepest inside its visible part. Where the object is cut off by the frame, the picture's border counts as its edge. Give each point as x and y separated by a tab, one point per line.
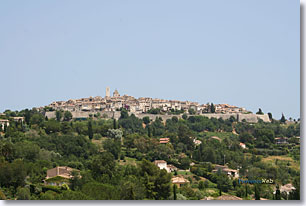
107	92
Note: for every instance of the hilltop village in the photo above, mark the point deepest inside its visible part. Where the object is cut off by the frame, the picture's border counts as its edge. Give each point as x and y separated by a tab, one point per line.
140	105
110	106
123	148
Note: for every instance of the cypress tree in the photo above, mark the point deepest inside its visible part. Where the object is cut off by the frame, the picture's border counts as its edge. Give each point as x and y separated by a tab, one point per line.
212	108
115	124
149	131
90	132
174	191
283	119
277	193
257	194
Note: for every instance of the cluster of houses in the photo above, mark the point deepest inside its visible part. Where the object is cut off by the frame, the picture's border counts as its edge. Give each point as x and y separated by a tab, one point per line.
5	122
61	175
140	105
180	180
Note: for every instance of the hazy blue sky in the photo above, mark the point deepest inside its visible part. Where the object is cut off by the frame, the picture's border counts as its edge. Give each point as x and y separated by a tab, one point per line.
240	52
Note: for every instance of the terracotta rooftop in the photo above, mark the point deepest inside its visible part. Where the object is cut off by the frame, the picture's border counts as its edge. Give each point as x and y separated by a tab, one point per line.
228	197
179	180
215	137
62	171
159	161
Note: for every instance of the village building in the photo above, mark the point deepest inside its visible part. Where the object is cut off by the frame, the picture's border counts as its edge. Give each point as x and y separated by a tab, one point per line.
162	164
140	105
285	188
197	142
179	181
164	140
281	140
172	168
116	93
4	123
18	119
59	175
242	145
224	169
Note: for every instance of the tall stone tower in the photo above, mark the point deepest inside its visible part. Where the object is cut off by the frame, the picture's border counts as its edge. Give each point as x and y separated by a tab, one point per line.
107	92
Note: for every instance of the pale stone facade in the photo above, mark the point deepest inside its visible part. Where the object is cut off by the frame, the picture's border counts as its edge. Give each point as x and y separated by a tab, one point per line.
140	105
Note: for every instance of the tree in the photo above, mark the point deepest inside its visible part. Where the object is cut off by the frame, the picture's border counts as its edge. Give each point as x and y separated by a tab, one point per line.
37	119
146	120
66	128
27	150
23	193
270	116
174	191
124	114
185	163
212	108
7	150
67	116
277	193
59	115
283	119
103	164
162	185
2	196
201	185
246	137
128	191
174	119
149	131
75	182
52	126
223	182
259	112
27	116
73	195
114	124
115	133
90	131
113	146
257	192
184	116
12	174
98	191
295	194
191	111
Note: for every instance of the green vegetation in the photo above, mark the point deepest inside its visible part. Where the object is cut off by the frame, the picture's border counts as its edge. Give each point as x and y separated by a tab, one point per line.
115	157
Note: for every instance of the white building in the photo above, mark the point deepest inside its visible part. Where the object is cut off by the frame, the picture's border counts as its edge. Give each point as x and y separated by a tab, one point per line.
162	164
242	145
3	123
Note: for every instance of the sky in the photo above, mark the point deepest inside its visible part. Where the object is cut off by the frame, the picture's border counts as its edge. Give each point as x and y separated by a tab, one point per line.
243	53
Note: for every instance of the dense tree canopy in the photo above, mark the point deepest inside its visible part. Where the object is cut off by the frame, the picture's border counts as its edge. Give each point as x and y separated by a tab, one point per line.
115	158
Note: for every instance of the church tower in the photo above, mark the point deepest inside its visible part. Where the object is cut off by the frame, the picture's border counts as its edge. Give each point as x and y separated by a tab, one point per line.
107	92
116	93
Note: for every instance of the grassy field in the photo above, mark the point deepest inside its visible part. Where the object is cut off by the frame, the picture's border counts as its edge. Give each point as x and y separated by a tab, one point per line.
221	135
129	161
293	163
182	172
